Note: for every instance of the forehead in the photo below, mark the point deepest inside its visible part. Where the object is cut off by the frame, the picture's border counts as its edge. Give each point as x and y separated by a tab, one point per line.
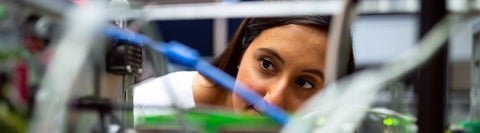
294	43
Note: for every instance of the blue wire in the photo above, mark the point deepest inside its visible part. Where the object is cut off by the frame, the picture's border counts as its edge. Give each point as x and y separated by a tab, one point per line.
183	55
228	82
132	37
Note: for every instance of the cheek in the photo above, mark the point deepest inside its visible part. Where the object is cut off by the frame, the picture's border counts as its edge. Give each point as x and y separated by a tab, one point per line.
238	104
252	80
249	78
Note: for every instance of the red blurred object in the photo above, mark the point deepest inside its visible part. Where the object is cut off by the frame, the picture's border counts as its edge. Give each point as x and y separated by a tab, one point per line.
20	80
80	2
33	44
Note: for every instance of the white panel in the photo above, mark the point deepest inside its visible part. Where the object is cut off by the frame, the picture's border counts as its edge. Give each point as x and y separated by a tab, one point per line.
379	38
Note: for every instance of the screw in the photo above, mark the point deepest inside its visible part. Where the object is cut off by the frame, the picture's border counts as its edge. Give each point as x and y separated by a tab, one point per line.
129	68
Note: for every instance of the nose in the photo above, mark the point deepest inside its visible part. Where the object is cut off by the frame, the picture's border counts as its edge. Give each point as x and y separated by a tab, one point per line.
276	93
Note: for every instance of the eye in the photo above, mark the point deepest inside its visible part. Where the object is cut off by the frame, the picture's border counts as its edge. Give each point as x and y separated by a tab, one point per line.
304	83
267	64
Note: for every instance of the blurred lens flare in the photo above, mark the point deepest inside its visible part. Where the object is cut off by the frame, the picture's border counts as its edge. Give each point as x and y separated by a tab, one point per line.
389	121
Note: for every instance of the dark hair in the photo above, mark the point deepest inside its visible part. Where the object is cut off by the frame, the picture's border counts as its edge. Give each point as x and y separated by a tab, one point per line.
250	28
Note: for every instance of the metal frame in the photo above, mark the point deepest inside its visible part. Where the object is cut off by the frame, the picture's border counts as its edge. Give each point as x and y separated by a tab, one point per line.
261	9
354	94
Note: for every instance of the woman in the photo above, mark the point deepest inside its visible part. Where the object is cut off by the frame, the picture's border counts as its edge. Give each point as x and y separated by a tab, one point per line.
282	59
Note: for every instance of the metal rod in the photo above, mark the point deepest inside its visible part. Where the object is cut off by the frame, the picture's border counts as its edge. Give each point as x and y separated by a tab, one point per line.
256	9
431	85
339	47
475	73
127	97
220	27
475	77
55	9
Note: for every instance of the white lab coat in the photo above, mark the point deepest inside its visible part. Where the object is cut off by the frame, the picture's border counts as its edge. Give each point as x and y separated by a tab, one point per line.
153	92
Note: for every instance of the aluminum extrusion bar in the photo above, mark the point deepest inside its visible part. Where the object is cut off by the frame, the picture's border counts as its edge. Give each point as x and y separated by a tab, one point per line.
232	10
256	9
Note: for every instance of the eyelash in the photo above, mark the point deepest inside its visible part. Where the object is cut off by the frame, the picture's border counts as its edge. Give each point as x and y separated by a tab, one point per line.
263	60
306	81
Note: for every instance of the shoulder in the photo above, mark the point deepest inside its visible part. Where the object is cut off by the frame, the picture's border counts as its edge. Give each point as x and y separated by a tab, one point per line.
170	78
158	91
171	90
179	75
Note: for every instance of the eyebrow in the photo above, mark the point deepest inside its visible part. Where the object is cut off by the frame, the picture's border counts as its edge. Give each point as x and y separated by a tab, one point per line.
316	72
273	53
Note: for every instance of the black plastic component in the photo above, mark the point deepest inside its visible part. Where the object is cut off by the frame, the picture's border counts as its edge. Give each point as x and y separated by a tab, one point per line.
124	58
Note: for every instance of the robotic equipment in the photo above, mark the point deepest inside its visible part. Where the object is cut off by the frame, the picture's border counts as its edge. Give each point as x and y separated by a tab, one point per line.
73	99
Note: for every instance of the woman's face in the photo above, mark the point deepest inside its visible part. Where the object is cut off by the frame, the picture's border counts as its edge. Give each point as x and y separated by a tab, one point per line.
285	65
